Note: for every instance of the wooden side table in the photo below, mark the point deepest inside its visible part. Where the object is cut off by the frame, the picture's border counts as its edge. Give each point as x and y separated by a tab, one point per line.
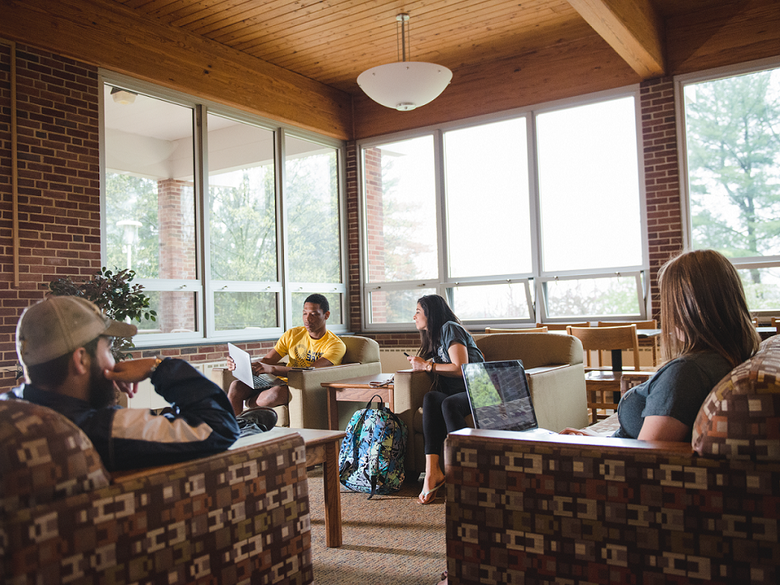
356	390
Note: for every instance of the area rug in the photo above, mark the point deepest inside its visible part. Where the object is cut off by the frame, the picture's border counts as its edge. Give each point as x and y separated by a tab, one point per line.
387	540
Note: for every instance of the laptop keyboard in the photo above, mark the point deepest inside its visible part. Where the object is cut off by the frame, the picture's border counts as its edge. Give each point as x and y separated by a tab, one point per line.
265	381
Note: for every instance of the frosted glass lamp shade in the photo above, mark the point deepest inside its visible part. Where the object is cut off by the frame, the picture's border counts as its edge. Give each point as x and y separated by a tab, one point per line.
404	85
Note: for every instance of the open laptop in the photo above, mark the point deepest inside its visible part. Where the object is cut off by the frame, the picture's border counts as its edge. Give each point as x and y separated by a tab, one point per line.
243	371
499	396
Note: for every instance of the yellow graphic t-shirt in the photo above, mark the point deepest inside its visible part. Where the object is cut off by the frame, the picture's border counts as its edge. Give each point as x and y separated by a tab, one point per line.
303	351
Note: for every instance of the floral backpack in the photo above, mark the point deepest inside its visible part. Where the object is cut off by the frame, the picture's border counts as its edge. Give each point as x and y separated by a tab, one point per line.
371	459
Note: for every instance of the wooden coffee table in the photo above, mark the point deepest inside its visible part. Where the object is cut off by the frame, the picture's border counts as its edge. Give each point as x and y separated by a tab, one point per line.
323	447
356	390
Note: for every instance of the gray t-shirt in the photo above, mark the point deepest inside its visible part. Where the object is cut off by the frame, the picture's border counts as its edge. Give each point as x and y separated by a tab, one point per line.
452	332
677	389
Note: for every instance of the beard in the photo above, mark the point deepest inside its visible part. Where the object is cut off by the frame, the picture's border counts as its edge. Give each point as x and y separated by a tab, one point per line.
102	392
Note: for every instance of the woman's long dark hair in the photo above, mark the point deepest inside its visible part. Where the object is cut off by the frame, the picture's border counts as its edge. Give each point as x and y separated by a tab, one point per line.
703	308
437	312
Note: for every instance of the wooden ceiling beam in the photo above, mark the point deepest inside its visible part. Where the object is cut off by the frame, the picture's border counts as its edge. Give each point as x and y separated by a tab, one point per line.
633	29
117	38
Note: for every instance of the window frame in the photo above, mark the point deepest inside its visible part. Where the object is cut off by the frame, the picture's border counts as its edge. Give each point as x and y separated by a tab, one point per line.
203	286
535	279
680	81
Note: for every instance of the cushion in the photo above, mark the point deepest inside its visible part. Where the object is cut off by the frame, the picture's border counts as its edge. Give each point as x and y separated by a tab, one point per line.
740	419
43	457
360	350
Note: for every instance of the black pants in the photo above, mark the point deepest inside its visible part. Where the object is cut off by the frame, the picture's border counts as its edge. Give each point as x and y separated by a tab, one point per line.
442	414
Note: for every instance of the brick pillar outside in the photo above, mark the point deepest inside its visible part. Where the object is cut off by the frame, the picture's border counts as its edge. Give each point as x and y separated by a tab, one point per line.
177	252
372	169
662	178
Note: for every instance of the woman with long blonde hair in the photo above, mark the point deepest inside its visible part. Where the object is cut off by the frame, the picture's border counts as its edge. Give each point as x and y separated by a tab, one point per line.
706	331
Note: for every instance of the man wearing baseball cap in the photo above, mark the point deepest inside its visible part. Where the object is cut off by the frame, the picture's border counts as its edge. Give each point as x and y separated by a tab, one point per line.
64	345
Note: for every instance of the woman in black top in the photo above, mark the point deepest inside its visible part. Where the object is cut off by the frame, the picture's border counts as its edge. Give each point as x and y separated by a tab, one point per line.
444	347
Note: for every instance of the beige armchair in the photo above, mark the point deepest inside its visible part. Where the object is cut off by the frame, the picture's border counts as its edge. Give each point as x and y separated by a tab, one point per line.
556	378
308	407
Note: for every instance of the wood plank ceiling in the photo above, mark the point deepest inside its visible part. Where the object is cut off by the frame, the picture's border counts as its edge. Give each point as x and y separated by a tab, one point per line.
333	41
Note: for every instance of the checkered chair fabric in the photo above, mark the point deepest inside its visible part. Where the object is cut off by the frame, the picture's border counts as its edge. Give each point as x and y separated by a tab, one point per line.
236	517
616	511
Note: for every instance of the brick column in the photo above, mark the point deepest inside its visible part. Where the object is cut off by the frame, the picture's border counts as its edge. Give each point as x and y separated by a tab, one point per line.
177	252
662	179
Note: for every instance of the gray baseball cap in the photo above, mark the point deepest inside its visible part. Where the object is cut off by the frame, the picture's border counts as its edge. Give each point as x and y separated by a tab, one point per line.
59	325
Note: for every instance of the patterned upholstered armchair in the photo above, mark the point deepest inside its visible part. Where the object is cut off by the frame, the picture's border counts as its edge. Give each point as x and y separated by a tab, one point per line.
604	510
237	517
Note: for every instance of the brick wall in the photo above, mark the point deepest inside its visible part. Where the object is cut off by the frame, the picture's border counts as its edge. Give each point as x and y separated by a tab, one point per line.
662	177
59	180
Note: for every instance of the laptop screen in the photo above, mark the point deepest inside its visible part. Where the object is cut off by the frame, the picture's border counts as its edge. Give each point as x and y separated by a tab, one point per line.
499	396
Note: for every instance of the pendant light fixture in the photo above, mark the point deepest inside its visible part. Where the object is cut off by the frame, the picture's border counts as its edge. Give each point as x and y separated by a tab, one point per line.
404	85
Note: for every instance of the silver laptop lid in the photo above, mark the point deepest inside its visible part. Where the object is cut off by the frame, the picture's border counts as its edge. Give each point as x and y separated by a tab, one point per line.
499	396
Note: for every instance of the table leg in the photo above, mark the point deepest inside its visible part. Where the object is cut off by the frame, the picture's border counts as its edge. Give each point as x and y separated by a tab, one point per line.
332	492
333	410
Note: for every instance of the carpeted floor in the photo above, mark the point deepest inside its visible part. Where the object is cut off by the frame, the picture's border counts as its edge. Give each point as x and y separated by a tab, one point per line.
388	540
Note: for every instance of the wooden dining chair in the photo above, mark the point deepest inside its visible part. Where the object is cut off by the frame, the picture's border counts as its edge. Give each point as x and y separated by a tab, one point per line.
652	342
603	385
562	326
489	330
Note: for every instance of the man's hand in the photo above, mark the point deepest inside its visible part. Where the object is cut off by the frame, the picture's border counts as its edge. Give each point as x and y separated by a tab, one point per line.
261	368
231	365
131	371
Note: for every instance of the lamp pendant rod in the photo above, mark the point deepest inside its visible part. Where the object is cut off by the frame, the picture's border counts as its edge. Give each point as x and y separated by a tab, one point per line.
403	18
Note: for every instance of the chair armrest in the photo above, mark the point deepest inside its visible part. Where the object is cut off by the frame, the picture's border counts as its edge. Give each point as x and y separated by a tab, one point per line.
245	529
308	403
408	390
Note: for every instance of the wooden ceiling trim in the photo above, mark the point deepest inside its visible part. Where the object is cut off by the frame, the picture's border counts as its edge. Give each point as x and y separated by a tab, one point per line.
633	29
118	39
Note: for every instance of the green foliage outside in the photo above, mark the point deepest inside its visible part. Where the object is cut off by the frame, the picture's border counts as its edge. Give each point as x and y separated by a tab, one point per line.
483	392
733	134
133	198
602	297
116	297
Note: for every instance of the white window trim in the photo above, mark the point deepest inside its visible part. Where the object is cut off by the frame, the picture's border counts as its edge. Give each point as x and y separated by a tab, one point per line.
203	287
442	282
680	81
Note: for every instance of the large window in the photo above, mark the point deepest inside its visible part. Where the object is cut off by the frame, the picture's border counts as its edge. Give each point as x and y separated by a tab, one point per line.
228	222
732	147
532	217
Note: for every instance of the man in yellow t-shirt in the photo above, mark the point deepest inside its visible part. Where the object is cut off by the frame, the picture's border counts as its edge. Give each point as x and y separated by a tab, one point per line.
310	346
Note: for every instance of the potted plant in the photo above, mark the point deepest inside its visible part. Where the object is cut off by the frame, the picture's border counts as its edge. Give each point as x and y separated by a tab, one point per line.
116	297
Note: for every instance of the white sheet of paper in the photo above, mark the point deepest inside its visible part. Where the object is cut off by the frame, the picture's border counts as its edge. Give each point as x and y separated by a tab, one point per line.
243	369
